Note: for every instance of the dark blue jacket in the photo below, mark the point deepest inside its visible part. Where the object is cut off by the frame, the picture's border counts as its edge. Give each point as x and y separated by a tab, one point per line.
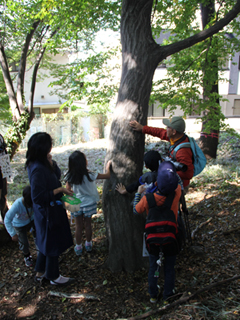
53	234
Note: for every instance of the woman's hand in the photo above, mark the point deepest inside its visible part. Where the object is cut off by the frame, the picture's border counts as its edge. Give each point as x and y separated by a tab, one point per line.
121	188
68	192
141	188
63	190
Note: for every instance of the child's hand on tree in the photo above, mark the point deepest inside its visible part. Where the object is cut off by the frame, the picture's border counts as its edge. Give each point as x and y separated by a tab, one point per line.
108	165
121	188
141	188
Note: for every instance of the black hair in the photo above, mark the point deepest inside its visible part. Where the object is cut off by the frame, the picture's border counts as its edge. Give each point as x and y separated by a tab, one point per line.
27	198
152	159
77	168
39	145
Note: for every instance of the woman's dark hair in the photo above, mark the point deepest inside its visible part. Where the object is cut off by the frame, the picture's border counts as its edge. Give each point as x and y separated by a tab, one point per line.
77	168
27	197
38	147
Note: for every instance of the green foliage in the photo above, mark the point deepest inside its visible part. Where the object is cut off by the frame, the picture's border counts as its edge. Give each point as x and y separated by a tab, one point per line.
195	68
73	116
17	132
5	111
94	78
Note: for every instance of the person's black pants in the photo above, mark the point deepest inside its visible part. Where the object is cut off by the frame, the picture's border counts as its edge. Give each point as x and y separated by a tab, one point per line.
49	265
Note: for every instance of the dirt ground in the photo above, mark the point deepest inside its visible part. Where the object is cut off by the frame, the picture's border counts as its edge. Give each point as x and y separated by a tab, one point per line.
98	293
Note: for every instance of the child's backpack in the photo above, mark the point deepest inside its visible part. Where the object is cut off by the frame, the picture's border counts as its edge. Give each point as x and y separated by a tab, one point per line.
161	227
199	159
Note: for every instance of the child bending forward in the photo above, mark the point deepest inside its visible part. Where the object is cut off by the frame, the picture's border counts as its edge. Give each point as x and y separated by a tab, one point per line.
18	221
82	182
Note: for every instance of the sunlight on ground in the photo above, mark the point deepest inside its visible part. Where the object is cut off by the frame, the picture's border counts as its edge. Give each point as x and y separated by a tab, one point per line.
26	312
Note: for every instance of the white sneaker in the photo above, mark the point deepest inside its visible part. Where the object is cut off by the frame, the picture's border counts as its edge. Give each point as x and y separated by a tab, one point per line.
62	281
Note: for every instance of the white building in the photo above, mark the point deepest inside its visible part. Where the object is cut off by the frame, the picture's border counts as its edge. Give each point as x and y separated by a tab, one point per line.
44	103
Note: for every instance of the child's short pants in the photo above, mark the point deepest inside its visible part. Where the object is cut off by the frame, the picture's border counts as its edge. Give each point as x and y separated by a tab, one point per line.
87	211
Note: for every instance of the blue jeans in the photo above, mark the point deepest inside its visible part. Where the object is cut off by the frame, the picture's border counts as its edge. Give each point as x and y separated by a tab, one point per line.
169	276
49	265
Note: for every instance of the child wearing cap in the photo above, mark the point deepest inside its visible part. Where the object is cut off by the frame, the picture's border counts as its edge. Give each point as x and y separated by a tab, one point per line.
167	182
151	161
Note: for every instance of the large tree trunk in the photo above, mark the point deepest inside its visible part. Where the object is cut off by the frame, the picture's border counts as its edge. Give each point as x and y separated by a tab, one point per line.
209	141
124	230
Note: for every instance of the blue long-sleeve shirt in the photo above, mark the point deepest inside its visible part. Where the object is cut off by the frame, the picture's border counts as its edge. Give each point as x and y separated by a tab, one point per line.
17	216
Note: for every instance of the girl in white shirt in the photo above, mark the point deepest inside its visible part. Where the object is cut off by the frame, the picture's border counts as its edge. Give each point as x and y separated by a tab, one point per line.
82	182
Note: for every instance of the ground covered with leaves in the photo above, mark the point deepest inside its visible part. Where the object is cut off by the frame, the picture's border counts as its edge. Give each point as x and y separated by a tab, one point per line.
213	204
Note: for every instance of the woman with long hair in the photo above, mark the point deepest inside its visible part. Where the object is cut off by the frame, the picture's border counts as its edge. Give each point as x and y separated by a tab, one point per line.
53	234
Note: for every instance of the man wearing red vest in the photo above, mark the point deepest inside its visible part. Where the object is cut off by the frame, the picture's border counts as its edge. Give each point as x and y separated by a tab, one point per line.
175	134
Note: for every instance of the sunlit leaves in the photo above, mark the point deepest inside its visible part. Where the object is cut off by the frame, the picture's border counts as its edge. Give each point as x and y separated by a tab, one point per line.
195	68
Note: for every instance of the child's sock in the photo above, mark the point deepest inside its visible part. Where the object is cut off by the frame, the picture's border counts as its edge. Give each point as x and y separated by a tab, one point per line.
88	243
78	246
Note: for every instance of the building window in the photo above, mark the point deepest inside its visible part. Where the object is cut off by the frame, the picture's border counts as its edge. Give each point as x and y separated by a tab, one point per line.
236	107
155	110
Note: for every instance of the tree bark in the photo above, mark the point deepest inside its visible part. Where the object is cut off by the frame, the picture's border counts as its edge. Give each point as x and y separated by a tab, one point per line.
124	230
8	83
209	142
140	57
22	66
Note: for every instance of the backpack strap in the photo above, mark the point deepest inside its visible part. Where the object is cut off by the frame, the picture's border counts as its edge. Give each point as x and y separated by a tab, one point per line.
151	200
167	203
182	145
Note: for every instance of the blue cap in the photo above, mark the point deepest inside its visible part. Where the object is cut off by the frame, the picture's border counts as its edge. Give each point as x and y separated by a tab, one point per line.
167	179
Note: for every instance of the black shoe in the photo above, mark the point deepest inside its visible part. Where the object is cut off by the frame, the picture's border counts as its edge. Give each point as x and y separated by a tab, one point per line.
39	279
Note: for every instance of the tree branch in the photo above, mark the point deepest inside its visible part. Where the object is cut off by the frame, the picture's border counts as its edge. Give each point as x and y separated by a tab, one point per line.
39	39
202	35
34	77
185	297
199	226
9	85
22	65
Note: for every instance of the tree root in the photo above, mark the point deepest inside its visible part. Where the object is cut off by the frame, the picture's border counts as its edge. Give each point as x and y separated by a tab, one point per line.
185	297
73	295
198	227
231	231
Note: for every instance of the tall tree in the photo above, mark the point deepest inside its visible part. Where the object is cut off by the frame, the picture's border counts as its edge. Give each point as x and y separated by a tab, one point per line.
193	74
140	57
29	30
209	141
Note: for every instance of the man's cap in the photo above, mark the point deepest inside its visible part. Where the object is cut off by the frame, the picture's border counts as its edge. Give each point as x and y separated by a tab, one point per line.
176	123
167	180
151	159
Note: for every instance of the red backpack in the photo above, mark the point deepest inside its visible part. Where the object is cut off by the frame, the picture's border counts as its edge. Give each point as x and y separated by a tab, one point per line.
161	227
